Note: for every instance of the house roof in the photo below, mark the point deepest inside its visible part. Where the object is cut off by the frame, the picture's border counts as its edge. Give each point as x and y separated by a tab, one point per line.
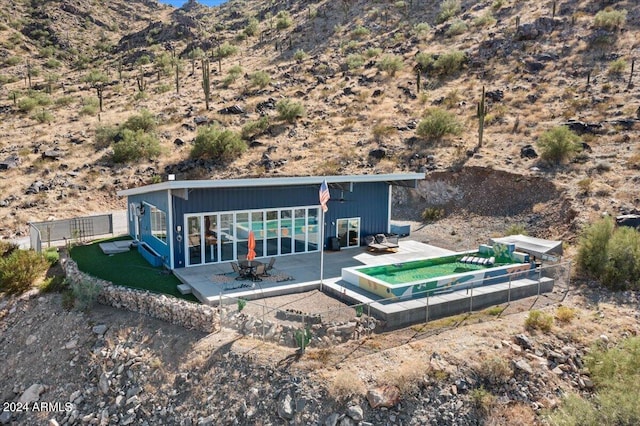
395	178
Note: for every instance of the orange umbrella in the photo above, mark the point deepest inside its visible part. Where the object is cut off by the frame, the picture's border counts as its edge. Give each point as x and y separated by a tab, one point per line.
251	254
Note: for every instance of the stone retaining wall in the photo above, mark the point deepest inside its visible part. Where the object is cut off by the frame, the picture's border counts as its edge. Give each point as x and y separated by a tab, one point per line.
207	318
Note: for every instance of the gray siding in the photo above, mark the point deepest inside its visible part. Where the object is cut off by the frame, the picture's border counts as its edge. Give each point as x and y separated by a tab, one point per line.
158	199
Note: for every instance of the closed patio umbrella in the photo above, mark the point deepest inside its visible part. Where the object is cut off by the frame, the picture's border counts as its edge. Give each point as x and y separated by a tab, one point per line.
251	254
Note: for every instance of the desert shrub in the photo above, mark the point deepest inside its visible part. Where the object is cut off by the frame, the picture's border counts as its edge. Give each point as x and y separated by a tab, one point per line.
135	145
144	121
360	32
300	55
421	29
20	269
390	64
354	61
457	27
610	19
432	214
90	106
52	63
438	123
252	27
617	67
494	371
494	311
483	401
615	373
558	144
260	79
255	128
85	294
424	60
514	413
450	62
345	386
622	270
7	247
35	99
448	9
43	116
538	320
217	144
381	131
64	100
408	377
283	20
484	20
565	314
593	247
289	110
6	79
373	52
105	135
516	229
584	185
12	61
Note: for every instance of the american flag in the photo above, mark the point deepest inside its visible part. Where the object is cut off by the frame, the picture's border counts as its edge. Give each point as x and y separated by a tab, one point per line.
324	195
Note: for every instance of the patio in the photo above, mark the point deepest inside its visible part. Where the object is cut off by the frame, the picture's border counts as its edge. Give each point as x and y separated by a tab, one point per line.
292	274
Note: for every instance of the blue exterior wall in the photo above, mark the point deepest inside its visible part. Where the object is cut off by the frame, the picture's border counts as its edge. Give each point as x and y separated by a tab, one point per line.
369	201
158	199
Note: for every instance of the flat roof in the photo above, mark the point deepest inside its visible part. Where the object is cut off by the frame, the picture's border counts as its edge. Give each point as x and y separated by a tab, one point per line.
277	181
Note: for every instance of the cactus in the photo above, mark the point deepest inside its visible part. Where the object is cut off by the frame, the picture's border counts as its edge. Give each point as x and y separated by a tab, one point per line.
206	83
418	78
553	10
481	113
142	85
633	64
120	68
517	23
29	72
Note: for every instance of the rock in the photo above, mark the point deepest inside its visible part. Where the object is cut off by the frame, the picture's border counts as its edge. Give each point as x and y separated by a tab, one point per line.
383	396
10	162
199	120
285	406
581	127
32	394
527	151
533	66
523	365
604	338
235	109
495	95
178	142
332	420
103	384
523	341
52	154
99	329
71	344
5	417
355	412
378	153
30	340
527	32
378	92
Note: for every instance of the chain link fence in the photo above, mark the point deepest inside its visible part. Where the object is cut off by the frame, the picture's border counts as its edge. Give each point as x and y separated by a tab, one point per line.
78	229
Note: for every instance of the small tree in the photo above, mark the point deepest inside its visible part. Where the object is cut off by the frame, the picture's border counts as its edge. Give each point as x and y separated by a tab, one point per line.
206	83
223	51
559	144
260	79
252	27
283	20
592	251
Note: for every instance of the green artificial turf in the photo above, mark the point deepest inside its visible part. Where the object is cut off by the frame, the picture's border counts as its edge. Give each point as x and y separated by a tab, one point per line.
128	269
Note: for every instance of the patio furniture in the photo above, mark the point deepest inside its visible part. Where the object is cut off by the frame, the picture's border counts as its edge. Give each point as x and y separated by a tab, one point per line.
269	267
382	242
243	273
258	271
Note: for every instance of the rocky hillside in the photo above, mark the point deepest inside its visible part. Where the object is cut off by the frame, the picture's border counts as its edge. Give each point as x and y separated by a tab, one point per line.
351	65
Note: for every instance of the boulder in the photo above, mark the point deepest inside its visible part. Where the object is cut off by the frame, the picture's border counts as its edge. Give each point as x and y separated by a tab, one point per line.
527	151
10	162
383	396
234	109
356	413
286	406
32	394
581	127
378	153
523	341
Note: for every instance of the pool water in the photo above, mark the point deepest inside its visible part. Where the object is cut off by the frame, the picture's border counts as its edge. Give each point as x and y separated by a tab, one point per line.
423	269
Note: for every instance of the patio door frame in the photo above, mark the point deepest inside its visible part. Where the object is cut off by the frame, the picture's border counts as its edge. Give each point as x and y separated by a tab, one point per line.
347	239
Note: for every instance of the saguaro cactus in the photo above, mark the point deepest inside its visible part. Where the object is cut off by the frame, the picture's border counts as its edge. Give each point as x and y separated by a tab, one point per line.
481	113
206	83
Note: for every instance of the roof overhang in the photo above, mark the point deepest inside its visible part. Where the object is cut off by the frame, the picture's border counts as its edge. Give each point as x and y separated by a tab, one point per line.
535	246
401	179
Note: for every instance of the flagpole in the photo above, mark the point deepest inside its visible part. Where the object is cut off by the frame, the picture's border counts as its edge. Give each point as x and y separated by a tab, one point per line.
321	247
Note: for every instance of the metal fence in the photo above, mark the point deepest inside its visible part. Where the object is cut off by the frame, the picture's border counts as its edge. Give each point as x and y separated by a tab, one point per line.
77	229
474	311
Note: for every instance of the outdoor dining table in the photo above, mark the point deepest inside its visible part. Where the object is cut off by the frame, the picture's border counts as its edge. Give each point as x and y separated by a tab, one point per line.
249	266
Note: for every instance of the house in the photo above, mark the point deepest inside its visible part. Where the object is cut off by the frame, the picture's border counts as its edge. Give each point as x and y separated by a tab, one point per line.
194	222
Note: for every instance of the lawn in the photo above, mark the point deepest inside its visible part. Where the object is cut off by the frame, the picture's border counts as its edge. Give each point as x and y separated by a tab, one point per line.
127	269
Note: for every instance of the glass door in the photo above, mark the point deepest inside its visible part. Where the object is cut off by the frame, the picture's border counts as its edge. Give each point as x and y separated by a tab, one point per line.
348	232
211	239
194	240
227	233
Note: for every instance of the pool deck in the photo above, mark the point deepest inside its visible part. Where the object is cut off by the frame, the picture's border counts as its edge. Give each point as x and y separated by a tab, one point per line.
304	273
304	269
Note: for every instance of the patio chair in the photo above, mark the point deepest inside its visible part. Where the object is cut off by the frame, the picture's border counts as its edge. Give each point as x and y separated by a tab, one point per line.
381	242
242	273
259	271
269	267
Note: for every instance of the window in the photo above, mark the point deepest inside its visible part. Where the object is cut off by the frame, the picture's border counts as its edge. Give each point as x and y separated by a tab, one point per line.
158	224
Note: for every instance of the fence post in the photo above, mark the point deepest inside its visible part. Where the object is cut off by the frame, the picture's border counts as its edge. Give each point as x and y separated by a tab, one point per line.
471	299
263	320
539	279
304	335
509	291
427	306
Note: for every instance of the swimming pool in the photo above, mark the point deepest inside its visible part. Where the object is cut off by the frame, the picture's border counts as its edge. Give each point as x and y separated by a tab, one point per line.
489	265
